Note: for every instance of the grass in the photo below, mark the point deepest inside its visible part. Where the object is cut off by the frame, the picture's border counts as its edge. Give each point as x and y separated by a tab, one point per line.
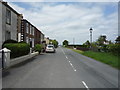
103	57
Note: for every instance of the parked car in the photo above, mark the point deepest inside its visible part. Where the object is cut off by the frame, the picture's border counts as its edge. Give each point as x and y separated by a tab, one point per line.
50	48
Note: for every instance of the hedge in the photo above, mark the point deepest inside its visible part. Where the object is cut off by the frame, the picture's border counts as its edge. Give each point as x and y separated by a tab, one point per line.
17	49
38	47
9	41
114	48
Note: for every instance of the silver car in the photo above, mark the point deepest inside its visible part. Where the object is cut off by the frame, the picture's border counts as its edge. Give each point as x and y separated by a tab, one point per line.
50	48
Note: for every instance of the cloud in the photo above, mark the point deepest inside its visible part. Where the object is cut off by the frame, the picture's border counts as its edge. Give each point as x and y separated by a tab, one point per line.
61	0
71	20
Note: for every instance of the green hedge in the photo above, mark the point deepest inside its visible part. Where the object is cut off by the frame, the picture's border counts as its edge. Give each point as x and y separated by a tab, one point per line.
18	49
114	48
9	41
38	47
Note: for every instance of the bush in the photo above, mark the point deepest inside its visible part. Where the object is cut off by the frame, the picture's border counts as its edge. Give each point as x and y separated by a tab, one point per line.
17	49
22	42
114	48
9	41
104	48
38	47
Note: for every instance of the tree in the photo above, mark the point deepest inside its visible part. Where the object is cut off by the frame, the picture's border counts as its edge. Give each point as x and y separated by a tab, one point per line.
87	43
118	40
101	40
54	42
65	43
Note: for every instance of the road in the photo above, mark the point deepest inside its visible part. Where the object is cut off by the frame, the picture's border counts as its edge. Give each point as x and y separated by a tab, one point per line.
63	69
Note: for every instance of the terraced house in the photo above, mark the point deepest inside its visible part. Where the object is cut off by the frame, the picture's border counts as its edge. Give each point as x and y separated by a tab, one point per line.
27	32
13	26
8	23
30	34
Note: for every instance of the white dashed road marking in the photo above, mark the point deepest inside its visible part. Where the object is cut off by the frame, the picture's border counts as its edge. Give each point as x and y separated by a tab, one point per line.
85	85
69	61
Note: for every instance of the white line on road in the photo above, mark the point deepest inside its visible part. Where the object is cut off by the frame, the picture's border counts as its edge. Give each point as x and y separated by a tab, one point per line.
71	64
73	67
85	85
63	51
66	56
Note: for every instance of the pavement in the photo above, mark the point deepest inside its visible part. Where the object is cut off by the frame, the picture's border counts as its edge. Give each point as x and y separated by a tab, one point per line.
63	69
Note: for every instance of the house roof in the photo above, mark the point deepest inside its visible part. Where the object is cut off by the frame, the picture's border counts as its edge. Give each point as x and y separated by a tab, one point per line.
6	4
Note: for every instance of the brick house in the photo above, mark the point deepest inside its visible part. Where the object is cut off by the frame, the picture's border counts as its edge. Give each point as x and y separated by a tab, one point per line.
42	37
37	36
27	32
19	23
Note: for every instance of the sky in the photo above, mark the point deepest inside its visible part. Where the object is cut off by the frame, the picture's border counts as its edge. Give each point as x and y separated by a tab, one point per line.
71	20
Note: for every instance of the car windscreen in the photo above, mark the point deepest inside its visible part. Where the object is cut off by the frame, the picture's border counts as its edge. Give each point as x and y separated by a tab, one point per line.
50	46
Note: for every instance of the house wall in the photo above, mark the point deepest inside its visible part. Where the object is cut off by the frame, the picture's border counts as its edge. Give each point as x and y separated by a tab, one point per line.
12	28
42	37
0	25
28	36
118	19
19	22
37	36
47	40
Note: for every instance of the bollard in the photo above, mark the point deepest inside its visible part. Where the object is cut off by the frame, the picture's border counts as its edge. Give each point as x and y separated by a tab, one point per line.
2	59
5	58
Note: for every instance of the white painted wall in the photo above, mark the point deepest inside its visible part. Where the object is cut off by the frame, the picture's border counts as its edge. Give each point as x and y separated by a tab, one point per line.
0	25
11	28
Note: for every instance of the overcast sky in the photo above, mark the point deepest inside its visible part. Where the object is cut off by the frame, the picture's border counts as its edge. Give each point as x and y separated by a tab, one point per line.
68	20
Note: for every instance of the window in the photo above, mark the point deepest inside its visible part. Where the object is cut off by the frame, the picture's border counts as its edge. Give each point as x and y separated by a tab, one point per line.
33	31
30	29
27	40
7	35
27	28
8	16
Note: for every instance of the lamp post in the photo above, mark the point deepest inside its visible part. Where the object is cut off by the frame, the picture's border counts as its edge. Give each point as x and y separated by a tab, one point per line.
91	37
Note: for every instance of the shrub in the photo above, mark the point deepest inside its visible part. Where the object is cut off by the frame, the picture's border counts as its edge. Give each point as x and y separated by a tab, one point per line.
9	41
22	42
38	47
104	48
18	49
114	48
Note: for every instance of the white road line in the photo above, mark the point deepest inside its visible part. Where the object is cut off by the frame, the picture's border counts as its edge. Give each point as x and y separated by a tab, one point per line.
71	64
66	57
64	54
73	67
63	51
85	85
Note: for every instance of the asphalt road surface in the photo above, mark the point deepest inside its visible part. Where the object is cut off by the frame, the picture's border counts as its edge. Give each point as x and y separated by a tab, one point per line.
63	69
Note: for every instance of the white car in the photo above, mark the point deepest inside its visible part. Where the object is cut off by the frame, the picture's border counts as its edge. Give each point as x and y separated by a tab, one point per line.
50	48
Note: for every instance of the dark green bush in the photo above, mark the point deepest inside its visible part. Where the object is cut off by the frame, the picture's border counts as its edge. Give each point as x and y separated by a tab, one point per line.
38	47
18	49
104	48
114	48
22	42
9	41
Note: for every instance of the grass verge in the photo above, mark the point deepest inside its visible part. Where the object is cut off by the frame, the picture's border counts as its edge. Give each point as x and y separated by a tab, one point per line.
103	57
